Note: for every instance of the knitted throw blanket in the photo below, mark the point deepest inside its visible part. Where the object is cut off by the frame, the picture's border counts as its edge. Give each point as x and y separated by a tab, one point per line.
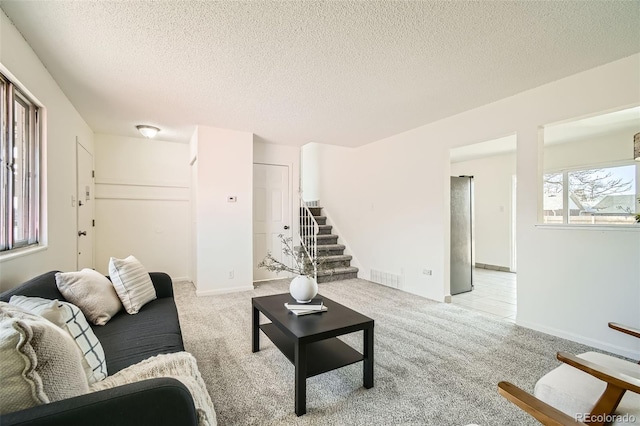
181	366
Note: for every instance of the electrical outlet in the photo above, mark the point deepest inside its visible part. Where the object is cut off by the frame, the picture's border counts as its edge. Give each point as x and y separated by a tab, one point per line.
427	272
230	275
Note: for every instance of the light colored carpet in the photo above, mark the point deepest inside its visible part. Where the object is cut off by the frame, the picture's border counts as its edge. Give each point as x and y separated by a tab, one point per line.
435	363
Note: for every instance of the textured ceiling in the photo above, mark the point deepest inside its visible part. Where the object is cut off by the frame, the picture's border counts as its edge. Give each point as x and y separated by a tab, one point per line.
346	73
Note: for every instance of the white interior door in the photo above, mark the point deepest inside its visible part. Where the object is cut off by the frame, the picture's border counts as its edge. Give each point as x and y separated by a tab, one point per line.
271	215
84	169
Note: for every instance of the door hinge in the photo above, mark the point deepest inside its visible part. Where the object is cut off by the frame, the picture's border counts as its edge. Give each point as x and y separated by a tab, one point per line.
93	173
93	223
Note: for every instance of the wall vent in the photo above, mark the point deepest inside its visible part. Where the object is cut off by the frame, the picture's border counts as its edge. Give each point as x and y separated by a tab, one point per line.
386	278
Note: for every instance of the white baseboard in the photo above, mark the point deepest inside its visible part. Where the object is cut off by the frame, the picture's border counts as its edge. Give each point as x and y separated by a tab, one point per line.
223	291
615	349
273	279
180	279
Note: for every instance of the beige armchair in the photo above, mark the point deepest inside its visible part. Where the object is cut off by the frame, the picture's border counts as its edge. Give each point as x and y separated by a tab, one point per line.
591	388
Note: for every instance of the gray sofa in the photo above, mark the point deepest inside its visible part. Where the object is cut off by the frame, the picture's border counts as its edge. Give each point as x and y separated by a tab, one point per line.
126	340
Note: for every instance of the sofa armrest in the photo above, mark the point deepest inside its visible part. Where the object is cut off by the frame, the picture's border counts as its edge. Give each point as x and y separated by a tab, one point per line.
160	401
162	283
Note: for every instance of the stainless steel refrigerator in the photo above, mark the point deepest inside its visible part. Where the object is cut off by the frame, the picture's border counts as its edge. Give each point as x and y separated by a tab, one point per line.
462	256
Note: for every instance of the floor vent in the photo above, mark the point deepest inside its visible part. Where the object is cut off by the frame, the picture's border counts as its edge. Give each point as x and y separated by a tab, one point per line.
386	278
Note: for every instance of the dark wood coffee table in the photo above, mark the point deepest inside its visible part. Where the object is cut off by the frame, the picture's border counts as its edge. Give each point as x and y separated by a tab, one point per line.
310	342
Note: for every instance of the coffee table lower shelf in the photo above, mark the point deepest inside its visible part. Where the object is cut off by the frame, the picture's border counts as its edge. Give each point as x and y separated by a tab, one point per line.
322	356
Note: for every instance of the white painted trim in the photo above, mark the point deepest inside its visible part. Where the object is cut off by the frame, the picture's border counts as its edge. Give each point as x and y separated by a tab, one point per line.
274	279
181	279
117	182
627	228
513	238
580	339
26	251
223	291
181	199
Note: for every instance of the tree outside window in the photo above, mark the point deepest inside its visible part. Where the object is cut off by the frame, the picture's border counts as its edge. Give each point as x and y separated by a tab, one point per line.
605	196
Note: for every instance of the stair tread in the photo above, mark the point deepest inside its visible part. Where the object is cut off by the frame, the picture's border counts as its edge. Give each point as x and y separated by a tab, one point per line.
336	271
326	236
336	257
323	247
331	247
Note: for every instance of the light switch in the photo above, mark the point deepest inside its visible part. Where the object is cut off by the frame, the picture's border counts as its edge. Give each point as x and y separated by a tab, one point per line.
232	199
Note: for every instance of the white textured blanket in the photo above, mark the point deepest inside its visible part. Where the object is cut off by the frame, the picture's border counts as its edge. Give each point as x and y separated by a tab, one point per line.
181	366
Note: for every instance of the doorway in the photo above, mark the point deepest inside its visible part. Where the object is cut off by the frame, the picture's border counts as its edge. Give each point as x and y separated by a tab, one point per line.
271	215
84	206
493	165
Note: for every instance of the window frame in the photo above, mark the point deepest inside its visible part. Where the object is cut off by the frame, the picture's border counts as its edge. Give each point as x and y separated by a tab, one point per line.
31	157
565	171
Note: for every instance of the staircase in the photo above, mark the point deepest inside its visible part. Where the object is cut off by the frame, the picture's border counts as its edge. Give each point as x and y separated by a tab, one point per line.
330	250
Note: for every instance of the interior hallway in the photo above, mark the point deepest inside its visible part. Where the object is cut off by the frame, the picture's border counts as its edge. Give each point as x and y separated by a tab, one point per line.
494	293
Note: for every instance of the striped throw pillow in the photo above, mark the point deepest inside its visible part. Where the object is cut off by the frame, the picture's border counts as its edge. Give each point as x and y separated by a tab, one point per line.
132	283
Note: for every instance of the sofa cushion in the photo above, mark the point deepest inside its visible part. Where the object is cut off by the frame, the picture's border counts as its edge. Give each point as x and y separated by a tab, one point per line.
132	283
90	291
152	331
40	362
74	323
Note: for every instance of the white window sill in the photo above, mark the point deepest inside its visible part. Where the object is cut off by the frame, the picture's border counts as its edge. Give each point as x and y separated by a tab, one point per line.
13	254
625	228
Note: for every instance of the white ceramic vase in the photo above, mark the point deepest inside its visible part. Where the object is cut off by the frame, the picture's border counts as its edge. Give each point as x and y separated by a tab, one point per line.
303	288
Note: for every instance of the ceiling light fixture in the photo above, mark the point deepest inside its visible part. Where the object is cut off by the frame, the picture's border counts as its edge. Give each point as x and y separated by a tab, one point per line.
147	131
636	146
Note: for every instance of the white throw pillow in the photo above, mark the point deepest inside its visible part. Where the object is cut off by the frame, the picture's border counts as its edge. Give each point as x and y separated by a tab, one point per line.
179	365
40	362
76	325
90	291
132	283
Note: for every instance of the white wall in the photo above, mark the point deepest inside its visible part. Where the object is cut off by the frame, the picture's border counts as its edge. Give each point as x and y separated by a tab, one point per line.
224	230
142	203
62	125
590	151
390	200
310	172
492	206
493	181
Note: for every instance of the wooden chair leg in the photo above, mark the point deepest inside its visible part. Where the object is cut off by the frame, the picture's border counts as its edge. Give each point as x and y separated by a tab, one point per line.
607	404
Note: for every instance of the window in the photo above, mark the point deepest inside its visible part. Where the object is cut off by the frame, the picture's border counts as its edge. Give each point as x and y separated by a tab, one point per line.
602	195
20	168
